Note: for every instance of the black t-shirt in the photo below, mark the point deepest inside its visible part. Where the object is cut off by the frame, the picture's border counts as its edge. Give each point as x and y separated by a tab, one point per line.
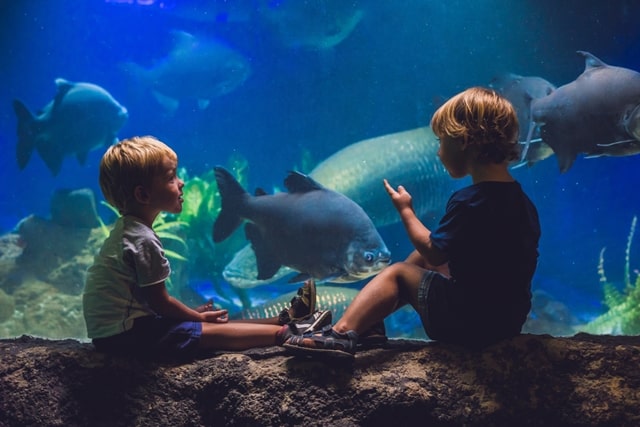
490	233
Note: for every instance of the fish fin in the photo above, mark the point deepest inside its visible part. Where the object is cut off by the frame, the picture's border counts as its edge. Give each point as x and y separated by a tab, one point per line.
230	194
565	159
63	86
297	182
52	157
267	265
26	138
591	61
168	103
299	278
182	40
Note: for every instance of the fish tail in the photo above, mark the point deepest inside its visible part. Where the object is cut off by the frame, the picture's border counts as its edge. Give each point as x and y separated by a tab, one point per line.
231	195
26	139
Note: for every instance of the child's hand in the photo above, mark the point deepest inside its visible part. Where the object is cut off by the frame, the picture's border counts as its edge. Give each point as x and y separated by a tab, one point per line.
401	198
208	306
215	316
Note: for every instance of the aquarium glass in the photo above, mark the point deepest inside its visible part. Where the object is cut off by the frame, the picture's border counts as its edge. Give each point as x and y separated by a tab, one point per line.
262	87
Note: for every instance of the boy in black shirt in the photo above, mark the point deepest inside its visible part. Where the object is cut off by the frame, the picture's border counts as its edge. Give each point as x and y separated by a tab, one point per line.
469	279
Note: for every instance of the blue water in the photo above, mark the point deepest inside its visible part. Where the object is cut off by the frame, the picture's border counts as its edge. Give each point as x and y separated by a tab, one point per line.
387	75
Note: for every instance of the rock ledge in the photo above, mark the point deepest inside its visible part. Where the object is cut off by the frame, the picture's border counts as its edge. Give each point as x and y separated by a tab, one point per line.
530	380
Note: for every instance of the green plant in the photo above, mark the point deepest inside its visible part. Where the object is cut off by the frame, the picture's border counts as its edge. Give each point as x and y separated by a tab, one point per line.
623	306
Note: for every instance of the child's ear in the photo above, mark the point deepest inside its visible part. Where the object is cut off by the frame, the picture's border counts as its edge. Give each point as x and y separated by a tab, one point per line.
141	194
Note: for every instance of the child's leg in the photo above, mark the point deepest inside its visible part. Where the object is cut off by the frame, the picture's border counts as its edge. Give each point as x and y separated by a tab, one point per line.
396	285
238	335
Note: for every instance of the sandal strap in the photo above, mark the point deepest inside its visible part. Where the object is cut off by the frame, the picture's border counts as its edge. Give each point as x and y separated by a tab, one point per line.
327	339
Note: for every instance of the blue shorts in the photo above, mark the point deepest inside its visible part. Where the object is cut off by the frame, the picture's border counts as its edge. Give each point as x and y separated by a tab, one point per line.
155	337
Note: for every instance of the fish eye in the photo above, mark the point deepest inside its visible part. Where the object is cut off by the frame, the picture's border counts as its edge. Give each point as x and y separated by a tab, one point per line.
368	257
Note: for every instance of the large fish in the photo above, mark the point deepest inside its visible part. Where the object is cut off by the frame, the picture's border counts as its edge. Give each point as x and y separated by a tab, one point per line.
198	69
597	114
315	25
316	231
408	158
520	91
80	118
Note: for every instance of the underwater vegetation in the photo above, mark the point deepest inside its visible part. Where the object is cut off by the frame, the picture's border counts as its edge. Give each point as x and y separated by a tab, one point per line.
623	305
199	210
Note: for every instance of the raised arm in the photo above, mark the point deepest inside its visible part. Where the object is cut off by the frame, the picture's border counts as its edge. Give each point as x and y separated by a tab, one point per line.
419	234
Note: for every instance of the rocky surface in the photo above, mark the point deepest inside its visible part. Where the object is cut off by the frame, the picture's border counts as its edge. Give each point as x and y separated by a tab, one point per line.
530	380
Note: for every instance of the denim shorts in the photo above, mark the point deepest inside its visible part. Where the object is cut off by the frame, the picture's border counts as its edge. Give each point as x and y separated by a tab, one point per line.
155	337
450	315
439	318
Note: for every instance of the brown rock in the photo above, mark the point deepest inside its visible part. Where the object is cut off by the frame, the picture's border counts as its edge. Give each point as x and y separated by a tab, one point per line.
530	380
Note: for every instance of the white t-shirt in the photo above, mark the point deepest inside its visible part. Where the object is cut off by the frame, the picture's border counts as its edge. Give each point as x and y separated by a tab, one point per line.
131	257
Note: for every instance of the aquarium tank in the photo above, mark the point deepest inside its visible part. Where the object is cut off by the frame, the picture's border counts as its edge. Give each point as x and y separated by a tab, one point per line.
342	90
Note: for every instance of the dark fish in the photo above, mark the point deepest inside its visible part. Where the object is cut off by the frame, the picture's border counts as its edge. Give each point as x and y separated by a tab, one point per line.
520	91
597	114
408	158
198	69
311	229
80	118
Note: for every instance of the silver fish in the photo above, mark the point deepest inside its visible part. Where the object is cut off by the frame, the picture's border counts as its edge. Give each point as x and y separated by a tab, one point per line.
316	231
597	114
199	69
408	158
334	298
80	118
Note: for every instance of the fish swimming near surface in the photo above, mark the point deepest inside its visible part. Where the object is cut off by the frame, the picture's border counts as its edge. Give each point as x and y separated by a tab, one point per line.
597	114
80	118
318	232
196	68
408	158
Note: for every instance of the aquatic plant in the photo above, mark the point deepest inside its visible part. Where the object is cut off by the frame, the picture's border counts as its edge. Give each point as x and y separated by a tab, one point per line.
623	306
167	230
161	226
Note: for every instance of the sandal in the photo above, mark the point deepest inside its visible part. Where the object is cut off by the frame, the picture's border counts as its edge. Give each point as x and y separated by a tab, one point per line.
302	305
311	323
375	336
324	342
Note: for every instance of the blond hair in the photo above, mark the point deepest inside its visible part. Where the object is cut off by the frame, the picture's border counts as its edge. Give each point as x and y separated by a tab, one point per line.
128	164
482	118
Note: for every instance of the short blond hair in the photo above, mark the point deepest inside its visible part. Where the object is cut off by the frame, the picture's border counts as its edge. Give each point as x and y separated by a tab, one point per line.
480	117
128	164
